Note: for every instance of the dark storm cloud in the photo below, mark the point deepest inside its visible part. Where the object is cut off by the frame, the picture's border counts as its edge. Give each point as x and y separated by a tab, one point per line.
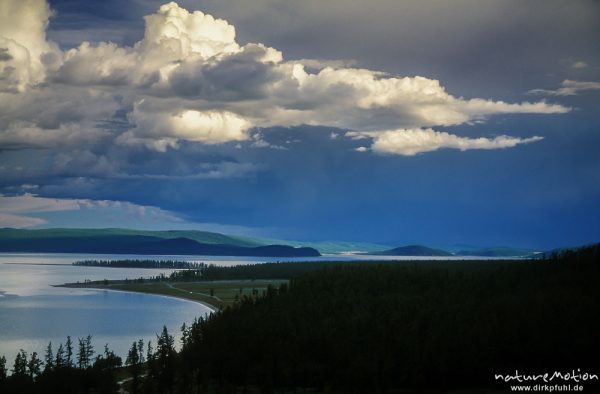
5	55
75	21
473	46
240	76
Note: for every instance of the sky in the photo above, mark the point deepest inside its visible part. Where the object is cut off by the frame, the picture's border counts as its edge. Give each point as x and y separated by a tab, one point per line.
464	122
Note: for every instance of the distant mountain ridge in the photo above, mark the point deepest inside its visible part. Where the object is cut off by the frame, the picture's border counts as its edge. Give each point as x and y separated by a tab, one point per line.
420	250
333	247
119	241
205	237
414	250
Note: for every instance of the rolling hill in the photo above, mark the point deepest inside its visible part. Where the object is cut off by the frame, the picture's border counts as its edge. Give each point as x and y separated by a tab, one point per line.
123	241
414	250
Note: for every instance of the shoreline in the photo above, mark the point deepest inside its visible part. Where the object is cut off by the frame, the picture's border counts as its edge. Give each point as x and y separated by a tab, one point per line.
213	308
97	286
215	295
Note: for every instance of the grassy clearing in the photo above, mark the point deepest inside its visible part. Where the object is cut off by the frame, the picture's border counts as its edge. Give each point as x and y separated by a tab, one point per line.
219	294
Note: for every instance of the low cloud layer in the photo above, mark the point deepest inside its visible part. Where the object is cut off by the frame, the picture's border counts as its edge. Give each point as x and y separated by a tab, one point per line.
27	210
411	142
19	211
188	79
569	87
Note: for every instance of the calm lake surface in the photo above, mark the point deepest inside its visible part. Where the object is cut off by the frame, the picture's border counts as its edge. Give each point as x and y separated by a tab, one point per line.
33	313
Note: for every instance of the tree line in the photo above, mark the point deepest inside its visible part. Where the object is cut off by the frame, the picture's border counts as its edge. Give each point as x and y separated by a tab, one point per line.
137	263
65	371
84	371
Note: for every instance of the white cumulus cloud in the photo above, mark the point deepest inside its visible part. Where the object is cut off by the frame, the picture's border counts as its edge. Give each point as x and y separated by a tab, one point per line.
409	142
158	129
24	51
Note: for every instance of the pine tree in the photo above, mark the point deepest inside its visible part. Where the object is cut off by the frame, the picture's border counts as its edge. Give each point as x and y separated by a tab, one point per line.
165	359
106	362
82	360
3	371
69	351
149	351
185	335
140	346
133	355
34	366
133	360
151	360
89	350
165	344
20	365
49	358
60	357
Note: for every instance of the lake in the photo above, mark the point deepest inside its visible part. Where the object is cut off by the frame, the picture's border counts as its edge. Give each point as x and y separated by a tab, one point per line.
32	312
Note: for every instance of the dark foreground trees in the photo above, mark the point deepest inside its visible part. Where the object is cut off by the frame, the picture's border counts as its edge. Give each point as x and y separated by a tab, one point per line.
432	325
58	373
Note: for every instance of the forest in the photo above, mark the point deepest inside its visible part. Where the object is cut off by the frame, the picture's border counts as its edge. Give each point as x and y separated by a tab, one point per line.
137	263
362	328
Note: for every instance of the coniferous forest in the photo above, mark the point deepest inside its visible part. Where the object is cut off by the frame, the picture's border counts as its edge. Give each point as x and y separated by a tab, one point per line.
360	328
